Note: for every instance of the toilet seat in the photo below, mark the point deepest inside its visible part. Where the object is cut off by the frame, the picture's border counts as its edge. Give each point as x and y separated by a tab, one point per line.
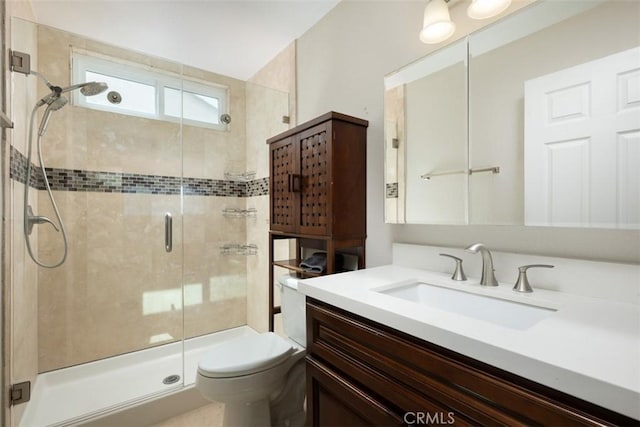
244	356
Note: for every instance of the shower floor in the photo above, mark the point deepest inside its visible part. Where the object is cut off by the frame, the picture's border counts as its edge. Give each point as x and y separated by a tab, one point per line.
70	395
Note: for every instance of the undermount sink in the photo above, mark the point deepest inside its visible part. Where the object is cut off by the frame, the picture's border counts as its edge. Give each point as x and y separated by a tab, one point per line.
510	314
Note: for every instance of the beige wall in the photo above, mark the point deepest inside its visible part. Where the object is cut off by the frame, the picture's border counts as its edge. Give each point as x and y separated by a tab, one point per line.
341	64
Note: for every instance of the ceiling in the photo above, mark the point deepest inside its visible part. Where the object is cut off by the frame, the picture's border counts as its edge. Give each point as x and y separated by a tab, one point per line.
230	37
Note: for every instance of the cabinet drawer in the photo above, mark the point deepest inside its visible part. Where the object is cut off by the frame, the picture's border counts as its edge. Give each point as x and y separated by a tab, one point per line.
417	372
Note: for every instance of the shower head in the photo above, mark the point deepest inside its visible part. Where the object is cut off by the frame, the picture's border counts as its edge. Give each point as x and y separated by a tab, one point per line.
55	101
54	105
93	88
58	103
87	89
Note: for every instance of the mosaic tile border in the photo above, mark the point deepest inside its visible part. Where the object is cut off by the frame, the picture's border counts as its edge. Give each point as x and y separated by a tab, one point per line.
118	182
392	190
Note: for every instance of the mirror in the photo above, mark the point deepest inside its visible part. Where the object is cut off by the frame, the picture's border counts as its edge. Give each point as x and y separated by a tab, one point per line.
554	117
426	104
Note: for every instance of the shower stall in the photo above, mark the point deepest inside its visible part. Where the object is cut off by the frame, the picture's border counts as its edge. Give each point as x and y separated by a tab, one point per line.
164	224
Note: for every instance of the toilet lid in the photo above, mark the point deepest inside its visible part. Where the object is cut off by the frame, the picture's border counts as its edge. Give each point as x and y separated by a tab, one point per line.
244	356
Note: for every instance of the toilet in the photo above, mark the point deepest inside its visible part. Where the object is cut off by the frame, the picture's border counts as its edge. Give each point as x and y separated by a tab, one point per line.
261	378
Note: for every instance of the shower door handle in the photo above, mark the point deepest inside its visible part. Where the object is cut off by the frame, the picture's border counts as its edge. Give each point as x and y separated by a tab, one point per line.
168	232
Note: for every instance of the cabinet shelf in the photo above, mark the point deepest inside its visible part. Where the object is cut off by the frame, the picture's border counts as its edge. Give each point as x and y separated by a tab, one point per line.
239	176
239	249
292	264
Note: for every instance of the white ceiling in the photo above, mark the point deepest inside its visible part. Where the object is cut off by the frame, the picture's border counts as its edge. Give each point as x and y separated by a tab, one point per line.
231	37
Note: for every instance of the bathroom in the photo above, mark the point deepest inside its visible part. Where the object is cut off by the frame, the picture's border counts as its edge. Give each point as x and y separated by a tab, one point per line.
303	82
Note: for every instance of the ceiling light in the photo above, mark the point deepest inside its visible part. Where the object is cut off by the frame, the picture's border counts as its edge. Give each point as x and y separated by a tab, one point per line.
482	9
437	25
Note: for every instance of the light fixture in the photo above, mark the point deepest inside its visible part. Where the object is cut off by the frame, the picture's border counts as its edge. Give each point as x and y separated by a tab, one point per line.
437	25
483	9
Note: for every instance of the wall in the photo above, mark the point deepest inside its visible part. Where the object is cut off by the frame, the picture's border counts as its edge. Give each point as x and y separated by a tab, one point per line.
341	63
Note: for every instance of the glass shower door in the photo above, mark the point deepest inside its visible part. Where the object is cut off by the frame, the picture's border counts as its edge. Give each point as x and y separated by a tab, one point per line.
106	327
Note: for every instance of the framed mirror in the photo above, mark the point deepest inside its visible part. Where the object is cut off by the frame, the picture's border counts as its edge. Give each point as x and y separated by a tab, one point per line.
554	120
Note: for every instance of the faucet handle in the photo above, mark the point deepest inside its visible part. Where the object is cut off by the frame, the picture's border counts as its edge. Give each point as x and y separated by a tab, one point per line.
459	273
522	284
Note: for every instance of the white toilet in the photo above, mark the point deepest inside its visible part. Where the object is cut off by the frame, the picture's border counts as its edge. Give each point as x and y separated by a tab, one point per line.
261	378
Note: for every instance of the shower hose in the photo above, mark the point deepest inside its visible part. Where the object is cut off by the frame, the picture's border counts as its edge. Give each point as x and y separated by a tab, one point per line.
48	187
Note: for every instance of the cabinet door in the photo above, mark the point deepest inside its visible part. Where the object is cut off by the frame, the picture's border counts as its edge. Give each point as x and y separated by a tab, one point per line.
284	201
333	401
315	173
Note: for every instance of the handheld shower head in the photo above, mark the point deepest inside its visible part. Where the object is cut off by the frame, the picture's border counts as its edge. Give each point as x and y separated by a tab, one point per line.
55	105
55	101
58	103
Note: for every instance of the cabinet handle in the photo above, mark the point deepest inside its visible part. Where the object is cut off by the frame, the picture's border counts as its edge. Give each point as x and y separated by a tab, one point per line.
294	183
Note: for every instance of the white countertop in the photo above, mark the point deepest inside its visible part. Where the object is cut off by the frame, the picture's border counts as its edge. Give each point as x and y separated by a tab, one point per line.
588	348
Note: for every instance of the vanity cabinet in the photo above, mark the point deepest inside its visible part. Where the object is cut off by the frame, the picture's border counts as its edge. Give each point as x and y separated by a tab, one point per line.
318	192
361	373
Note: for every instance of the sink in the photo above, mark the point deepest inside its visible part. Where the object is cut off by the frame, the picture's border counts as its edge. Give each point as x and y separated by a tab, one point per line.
510	314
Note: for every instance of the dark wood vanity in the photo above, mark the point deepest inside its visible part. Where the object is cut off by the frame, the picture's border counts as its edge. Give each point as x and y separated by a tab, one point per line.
361	373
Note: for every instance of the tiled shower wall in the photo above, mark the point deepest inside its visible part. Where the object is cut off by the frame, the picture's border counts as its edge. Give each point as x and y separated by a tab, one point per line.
115	177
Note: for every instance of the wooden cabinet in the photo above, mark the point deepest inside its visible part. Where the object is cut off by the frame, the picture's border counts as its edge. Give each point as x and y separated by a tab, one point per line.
318	178
318	191
361	373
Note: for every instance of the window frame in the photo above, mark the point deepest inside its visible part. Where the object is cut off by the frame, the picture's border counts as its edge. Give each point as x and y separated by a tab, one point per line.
81	62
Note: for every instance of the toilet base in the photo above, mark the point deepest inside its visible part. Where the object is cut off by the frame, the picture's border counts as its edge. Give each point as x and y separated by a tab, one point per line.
273	397
253	414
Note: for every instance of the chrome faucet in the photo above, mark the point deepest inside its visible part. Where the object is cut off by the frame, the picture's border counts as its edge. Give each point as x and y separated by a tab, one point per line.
488	277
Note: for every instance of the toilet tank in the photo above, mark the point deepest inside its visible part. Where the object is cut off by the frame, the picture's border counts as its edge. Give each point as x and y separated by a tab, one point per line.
292	305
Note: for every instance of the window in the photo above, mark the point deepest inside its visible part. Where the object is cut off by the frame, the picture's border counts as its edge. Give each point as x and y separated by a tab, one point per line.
149	93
